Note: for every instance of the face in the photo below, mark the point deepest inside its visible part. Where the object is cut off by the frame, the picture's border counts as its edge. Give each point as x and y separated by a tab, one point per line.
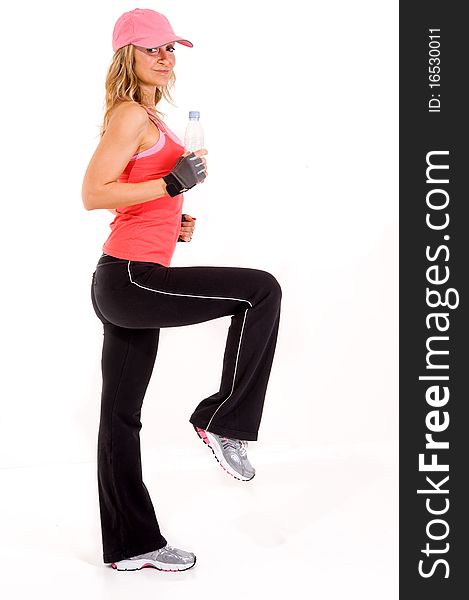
153	66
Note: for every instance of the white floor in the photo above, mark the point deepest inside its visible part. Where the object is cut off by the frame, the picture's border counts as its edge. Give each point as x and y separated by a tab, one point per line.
315	522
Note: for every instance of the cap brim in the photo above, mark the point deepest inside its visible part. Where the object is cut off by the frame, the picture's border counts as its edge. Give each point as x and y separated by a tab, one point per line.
151	43
185	43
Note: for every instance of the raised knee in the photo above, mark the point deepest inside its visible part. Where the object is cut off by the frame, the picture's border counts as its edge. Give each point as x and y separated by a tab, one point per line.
272	285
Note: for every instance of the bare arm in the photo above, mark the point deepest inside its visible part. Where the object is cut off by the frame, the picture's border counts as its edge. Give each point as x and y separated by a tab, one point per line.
119	143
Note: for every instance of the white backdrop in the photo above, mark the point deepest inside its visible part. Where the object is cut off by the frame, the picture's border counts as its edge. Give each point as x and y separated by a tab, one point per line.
298	102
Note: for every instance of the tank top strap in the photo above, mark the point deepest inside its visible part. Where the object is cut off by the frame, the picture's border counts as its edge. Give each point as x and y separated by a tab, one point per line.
158	122
162	127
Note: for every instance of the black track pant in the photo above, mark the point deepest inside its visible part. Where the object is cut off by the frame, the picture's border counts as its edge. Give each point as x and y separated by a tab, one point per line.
133	300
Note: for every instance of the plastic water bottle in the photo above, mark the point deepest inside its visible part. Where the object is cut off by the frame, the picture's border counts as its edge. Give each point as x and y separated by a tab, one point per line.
194	136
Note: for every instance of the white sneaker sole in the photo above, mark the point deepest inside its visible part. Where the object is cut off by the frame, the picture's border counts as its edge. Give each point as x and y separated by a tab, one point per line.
140	563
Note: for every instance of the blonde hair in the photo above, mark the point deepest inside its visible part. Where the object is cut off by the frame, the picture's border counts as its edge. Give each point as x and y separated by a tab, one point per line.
123	85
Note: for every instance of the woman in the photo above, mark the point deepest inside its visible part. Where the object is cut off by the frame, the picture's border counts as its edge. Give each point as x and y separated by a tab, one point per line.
140	170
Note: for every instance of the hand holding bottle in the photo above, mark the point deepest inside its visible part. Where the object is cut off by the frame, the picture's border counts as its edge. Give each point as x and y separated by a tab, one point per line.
201	153
189	170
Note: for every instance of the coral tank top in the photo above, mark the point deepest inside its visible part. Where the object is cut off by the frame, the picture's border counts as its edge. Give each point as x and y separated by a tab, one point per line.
149	231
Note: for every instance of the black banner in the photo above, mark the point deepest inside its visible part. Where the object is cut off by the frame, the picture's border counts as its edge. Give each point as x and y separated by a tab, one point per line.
434	363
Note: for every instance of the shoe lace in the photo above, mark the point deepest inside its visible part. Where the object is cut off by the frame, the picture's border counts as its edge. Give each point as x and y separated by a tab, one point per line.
168	550
239	445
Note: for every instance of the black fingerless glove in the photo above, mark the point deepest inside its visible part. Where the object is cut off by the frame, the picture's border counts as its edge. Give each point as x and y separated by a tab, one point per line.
188	171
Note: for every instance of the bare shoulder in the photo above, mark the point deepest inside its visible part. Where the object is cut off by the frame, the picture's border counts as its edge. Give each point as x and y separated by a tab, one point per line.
120	141
129	112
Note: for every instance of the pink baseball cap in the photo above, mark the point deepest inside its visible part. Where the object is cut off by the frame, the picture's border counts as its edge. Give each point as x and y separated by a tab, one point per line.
144	27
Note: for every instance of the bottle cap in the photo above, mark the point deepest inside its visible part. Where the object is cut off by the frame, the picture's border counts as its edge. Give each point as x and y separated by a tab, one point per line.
194	114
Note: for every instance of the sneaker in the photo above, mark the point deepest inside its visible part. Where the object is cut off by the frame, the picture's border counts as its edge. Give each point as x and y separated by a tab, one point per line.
231	454
164	559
